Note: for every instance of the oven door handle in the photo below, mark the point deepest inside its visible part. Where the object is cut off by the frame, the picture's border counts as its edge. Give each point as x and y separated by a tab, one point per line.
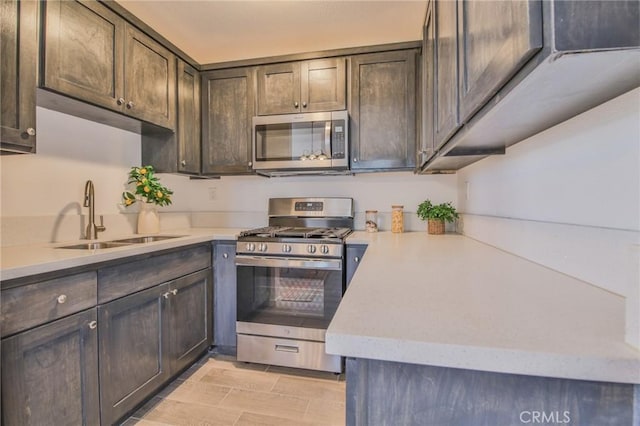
300	263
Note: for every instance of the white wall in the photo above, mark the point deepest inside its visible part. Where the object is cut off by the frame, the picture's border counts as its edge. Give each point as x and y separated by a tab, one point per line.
568	198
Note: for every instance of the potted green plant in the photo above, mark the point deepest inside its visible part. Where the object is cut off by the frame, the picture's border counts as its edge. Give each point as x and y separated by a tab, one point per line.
151	193
436	215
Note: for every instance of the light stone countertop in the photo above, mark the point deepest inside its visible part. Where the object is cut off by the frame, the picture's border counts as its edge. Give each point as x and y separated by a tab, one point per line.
22	261
451	301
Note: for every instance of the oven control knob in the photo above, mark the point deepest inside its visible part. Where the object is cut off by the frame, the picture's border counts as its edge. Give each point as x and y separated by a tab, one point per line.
262	247
251	246
286	248
311	248
324	249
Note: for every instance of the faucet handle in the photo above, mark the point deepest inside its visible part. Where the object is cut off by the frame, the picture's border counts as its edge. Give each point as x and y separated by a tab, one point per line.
101	227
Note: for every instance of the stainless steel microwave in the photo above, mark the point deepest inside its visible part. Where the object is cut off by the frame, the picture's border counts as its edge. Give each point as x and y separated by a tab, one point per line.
312	142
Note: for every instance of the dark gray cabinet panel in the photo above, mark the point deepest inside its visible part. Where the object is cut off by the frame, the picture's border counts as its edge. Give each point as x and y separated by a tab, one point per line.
383	111
31	305
190	319
324	85
224	311
50	374
228	104
150	80
495	38
445	108
18	74
355	252
134	353
382	392
123	279
113	66
188	119
426	149
308	86
86	67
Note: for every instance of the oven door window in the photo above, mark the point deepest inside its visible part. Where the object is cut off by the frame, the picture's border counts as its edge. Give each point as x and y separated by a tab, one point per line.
288	296
293	141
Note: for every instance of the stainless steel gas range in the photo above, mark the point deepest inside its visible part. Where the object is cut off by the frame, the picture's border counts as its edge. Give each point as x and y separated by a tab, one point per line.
290	282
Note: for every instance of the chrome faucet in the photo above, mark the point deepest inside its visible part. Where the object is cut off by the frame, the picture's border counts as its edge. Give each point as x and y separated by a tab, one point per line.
89	201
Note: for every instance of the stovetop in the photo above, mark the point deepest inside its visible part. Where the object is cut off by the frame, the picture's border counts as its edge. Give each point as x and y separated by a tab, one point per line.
297	232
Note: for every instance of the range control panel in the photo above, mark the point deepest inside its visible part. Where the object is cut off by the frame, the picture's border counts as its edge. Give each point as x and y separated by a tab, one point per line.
309	206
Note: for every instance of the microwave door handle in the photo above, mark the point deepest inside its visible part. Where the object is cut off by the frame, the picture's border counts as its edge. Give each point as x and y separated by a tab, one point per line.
327	139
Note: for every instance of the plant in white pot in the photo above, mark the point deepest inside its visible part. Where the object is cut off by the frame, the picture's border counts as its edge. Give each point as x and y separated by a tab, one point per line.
148	190
436	215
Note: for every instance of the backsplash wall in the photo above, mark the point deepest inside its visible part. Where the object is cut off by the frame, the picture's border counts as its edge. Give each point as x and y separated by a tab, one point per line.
42	194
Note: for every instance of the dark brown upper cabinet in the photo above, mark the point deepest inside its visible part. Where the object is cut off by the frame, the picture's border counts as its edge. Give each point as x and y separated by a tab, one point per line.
383	111
228	104
308	86
92	54
18	75
188	119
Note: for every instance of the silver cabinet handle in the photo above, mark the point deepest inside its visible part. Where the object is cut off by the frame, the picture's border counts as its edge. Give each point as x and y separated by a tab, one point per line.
183	163
31	131
120	101
62	298
174	291
93	325
130	104
355	160
250	164
304	105
295	104
225	255
356	259
287	348
166	295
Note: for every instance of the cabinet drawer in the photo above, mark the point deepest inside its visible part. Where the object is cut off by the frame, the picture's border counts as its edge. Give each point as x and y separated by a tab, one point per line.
31	305
127	278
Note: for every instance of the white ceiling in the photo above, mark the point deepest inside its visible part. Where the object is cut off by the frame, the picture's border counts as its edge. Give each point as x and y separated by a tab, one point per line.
213	31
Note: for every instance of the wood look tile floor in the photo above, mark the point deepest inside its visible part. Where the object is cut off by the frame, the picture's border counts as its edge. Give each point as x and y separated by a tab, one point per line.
221	391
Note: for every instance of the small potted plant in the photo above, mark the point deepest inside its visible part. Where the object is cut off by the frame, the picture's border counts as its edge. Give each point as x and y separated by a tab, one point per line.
148	190
436	215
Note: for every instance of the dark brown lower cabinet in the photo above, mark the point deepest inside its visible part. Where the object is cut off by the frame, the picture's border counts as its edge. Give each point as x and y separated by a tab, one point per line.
147	337
50	374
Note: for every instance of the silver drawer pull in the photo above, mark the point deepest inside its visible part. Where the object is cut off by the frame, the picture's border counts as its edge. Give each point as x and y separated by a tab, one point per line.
174	291
93	325
285	348
166	295
62	298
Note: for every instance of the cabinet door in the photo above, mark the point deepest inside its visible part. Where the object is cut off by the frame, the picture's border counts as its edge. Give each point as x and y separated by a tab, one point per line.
18	73
50	374
150	80
228	104
495	38
224	312
446	71
426	150
190	323
133	351
279	88
323	85
355	252
83	52
383	111
188	119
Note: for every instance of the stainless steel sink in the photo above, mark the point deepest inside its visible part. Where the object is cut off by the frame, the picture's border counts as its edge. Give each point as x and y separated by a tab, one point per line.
95	245
147	239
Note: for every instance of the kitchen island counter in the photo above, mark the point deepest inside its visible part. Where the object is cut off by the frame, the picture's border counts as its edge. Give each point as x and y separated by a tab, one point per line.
32	259
451	301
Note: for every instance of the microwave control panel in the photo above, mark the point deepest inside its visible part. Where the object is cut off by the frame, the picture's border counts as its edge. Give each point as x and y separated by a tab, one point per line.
337	139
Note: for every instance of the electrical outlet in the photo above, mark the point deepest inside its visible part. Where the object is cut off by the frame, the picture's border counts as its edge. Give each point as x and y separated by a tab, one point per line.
213	192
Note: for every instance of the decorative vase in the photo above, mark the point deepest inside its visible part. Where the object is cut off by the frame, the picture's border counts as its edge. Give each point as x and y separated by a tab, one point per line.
148	219
435	226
